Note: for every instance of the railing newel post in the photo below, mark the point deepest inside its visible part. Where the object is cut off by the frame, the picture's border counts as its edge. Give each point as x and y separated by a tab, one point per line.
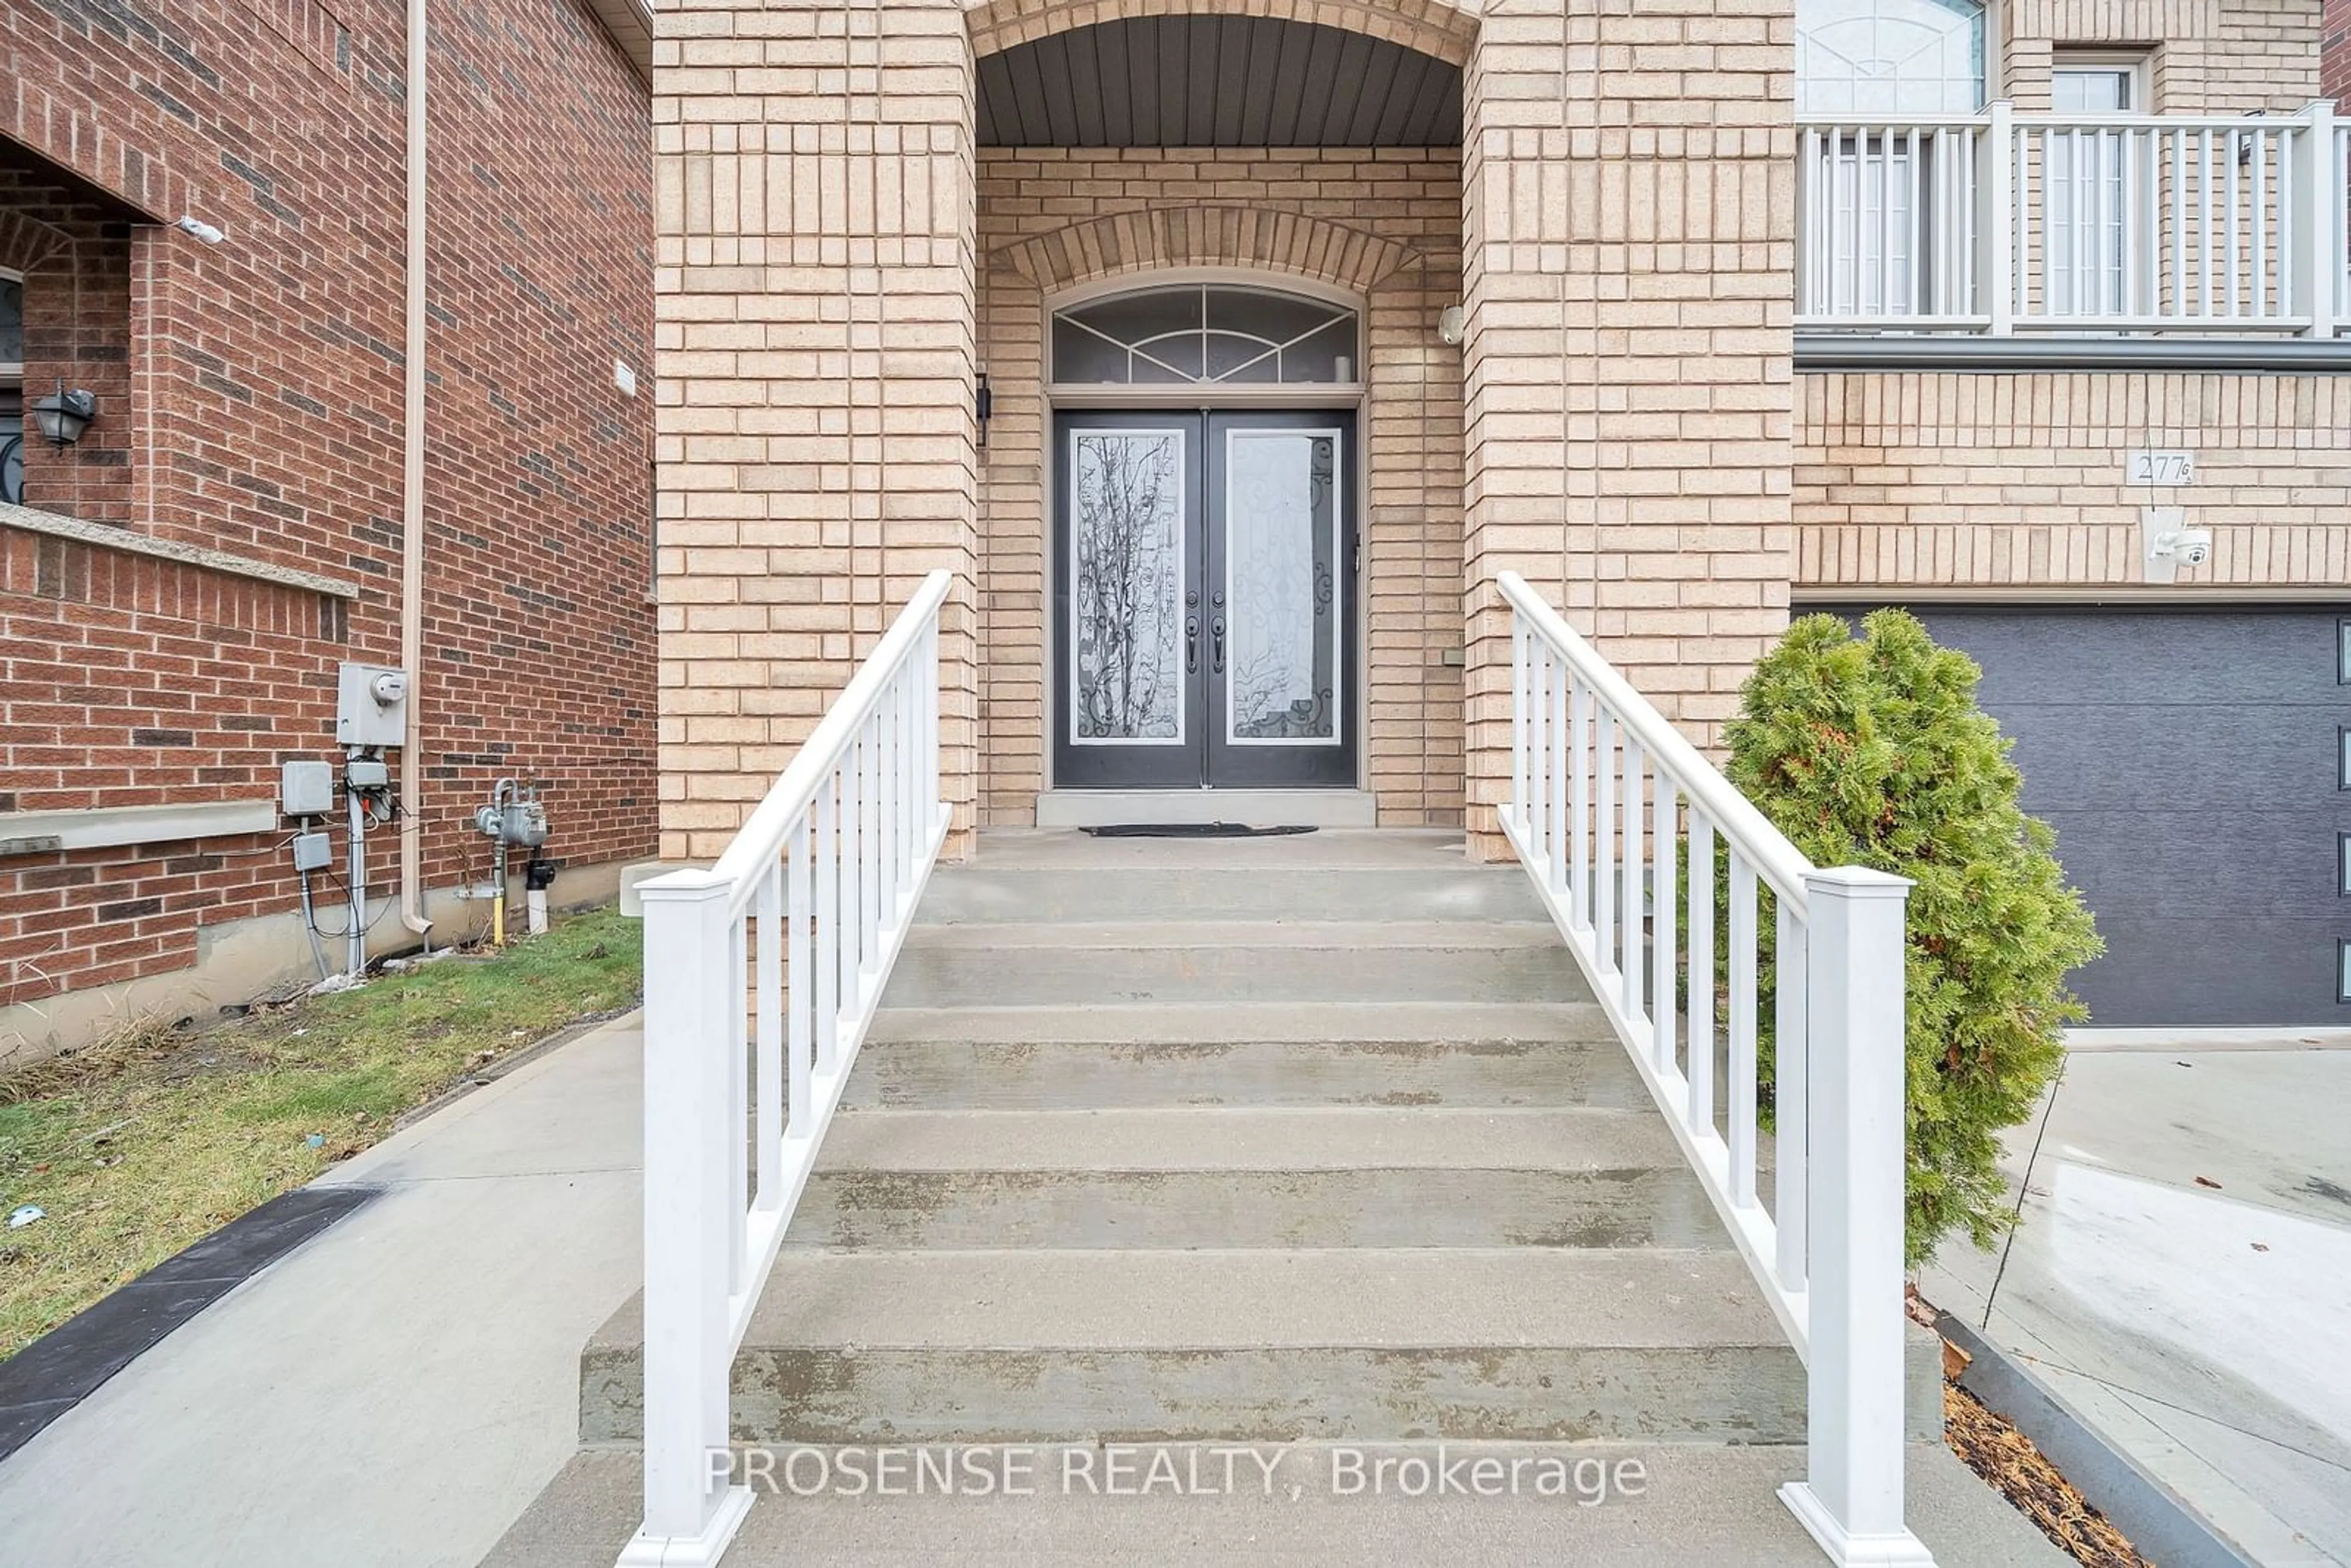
692	982
2317	200
1851	1497
1996	268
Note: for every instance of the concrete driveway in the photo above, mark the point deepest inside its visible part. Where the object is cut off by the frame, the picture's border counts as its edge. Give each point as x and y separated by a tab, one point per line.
2181	1275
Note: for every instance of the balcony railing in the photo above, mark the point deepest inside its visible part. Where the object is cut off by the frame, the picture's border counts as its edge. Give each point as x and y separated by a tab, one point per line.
2006	223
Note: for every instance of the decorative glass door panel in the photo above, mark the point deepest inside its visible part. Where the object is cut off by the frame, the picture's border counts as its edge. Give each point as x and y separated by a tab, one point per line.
1127	558
1203	621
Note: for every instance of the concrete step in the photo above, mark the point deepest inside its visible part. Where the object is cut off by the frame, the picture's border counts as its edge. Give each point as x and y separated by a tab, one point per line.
1250	1177
1043	1074
1261	961
1319	1021
1362	1344
1253	1138
1620	1507
983	891
1410	1207
1396	849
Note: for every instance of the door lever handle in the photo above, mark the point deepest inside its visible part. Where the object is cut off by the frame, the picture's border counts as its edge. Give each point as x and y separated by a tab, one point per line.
1216	646
1192	645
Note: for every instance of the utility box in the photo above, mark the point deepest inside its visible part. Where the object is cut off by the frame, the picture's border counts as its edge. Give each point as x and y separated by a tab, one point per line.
313	851
305	789
371	706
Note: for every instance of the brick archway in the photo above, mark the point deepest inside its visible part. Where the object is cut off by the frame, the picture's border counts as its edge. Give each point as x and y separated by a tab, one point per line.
1435	28
1164	237
25	242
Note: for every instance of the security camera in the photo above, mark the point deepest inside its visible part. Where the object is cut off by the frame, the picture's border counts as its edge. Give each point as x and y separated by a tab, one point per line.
2189	547
191	224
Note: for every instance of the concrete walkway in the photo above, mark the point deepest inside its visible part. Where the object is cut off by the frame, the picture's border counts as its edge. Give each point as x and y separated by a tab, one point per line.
396	1392
2202	1326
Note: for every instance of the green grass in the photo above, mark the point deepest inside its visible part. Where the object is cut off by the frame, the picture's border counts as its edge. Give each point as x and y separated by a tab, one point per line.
146	1141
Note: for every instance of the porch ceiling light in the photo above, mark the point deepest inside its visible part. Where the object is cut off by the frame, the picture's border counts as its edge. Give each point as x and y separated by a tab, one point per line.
65	415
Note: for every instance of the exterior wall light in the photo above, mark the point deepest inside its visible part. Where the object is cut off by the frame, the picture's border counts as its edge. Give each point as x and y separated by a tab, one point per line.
63	417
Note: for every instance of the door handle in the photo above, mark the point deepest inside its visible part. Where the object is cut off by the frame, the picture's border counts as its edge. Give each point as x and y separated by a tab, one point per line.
1216	646
1192	645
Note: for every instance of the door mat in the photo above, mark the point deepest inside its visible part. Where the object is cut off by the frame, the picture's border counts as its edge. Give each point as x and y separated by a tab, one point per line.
1190	830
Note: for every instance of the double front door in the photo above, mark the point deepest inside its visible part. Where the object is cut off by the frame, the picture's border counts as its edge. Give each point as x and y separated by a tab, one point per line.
1203	608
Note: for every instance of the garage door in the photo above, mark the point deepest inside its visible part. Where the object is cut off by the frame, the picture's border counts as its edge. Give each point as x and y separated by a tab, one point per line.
2193	765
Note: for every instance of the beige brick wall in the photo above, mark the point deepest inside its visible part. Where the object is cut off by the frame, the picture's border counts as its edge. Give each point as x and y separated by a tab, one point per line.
1629	197
814	361
1384	225
1995	483
2208	57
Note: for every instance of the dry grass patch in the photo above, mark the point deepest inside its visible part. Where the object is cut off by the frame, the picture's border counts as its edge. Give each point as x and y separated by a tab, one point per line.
152	1139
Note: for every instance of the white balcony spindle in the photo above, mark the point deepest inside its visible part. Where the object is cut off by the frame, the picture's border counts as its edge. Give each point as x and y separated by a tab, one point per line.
1538	797
799	1038
768	1071
825	994
1741	1066
1558	760
1664	832
1579	805
736	1108
1520	785
1603	849
1629	964
1700	1049
1790	1047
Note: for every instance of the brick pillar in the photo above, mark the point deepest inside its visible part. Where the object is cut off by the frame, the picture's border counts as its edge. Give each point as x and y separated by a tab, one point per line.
1628	213
815	377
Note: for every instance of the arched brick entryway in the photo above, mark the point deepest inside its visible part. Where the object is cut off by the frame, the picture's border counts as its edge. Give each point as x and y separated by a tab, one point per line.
1385	228
1431	27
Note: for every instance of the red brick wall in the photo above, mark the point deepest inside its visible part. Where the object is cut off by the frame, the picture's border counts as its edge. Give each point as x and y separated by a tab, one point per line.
250	401
2334	54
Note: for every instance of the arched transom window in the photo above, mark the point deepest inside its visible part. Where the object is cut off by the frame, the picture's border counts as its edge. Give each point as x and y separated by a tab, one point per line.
1205	334
1889	56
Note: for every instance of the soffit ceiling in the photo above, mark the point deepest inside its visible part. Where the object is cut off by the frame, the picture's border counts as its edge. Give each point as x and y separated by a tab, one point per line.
1215	81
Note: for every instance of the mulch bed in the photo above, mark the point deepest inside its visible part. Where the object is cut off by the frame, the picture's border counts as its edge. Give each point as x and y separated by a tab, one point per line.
2007	1458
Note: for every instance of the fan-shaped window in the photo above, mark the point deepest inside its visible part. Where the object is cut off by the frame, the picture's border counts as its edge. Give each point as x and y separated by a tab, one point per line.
1205	334
1889	56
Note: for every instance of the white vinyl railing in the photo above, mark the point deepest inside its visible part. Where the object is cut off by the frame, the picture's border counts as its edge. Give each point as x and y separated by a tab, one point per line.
1610	810
2005	223
761	975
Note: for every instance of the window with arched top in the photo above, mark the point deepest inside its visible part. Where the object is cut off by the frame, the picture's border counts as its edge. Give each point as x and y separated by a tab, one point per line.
1206	334
1890	56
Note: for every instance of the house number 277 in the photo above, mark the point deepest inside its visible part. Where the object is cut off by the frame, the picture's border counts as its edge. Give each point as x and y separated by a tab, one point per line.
2160	468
